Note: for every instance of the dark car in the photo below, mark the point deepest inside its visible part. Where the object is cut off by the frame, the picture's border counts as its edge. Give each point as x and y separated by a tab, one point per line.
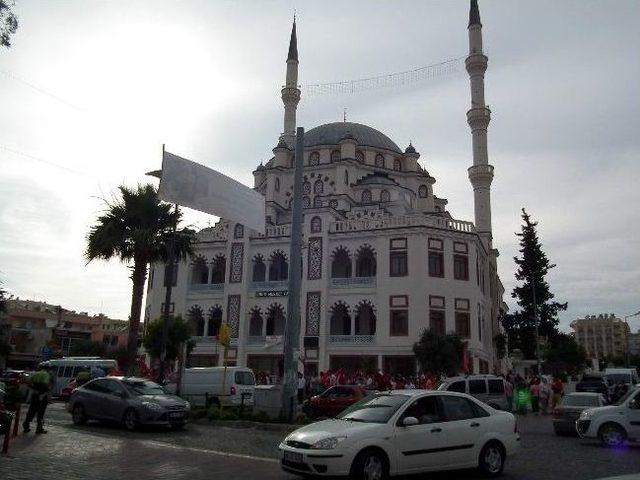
572	405
334	400
127	400
594	383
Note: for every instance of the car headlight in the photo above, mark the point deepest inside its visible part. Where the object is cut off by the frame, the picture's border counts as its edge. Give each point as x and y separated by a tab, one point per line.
327	443
187	406
152	406
586	414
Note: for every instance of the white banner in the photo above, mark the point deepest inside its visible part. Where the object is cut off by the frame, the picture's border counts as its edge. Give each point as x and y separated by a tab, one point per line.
195	186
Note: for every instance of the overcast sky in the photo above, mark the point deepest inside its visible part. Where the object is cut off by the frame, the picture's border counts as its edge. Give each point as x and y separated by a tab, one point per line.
90	90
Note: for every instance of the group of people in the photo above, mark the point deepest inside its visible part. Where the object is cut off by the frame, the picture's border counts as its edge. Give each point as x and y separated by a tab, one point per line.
541	393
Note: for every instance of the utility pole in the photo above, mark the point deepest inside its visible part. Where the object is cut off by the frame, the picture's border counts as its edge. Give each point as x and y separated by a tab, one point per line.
292	328
537	322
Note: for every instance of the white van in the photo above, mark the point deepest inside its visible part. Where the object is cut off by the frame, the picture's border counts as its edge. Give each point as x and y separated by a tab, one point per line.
628	376
67	368
203	386
486	388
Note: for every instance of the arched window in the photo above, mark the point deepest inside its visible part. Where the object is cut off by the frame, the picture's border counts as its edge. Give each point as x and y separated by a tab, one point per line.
366	196
365	262
438	209
306	188
397	166
335	155
277	186
306	202
259	269
318	187
385	196
238	231
314	158
255	322
341	263
200	271
196	321
317	202
359	156
316	225
218	269
423	192
278	267
365	319
275	320
215	320
340	319
380	160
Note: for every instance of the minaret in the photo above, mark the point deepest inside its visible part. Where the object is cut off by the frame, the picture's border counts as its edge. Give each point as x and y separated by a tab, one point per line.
478	117
290	91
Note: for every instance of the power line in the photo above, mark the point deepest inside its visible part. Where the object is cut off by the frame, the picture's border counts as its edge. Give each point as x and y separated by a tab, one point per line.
397	79
42	160
18	79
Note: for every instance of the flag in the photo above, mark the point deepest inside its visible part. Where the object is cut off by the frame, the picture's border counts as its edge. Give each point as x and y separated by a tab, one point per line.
195	186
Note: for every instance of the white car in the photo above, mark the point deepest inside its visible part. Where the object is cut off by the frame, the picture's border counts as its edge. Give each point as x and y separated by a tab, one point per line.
404	432
613	424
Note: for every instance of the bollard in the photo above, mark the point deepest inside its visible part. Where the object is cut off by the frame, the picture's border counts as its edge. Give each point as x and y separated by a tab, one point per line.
16	421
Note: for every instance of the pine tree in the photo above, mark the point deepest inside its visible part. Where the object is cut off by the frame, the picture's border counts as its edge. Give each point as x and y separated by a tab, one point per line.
533	266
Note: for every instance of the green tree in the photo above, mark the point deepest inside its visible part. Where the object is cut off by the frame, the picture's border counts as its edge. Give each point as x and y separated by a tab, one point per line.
563	353
137	228
8	23
179	332
533	266
438	353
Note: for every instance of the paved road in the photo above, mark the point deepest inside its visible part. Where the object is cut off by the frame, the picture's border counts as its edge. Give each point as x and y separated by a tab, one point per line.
100	452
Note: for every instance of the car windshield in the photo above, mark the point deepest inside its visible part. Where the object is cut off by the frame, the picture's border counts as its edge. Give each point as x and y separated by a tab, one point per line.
245	378
143	387
619	377
580	401
374	409
625	397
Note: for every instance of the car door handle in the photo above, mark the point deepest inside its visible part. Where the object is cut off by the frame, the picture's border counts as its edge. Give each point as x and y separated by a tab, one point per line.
474	425
436	430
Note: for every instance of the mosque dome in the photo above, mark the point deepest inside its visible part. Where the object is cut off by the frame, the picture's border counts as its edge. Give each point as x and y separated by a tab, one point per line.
333	133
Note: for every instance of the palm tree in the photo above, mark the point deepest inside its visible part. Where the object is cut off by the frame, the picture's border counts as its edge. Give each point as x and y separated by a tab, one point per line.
137	228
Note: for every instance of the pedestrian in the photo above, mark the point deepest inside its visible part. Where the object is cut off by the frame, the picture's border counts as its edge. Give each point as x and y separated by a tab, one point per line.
302	382
508	390
545	393
535	396
41	383
558	389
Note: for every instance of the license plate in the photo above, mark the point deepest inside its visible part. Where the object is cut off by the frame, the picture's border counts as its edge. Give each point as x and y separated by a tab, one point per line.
176	415
293	457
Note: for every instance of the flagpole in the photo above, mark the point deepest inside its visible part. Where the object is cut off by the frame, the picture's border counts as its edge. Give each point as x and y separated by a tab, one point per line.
292	327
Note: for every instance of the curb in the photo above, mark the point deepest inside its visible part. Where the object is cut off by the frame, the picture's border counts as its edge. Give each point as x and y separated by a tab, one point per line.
239	424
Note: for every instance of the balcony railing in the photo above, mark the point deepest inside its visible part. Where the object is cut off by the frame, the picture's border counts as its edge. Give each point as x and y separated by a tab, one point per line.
206	287
274	231
277	285
352	339
360	224
355	282
265	340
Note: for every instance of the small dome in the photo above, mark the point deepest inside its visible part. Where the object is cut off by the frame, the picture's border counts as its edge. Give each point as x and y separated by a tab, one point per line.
410	149
332	133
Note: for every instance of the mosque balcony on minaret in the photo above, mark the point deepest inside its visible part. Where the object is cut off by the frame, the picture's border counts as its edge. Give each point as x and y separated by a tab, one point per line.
290	95
479	118
481	176
476	64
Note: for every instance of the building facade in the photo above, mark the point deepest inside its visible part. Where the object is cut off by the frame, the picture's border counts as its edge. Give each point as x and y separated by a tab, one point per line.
633	342
601	336
383	258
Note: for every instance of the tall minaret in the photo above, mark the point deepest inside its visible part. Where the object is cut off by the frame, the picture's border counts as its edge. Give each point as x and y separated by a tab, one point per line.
290	91
478	117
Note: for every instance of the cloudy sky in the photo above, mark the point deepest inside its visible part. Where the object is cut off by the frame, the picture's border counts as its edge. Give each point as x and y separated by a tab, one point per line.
90	90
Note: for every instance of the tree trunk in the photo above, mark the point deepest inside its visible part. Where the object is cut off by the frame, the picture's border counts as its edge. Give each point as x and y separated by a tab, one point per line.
139	278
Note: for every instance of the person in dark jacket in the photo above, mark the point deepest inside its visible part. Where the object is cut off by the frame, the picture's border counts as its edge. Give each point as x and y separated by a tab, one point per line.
41	383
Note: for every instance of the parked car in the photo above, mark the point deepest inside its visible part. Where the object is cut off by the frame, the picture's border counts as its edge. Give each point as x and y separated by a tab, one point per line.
486	388
334	400
128	400
613	424
570	408
626	376
404	432
593	382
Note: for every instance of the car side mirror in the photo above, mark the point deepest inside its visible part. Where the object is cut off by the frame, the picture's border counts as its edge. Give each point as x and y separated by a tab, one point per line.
410	421
633	404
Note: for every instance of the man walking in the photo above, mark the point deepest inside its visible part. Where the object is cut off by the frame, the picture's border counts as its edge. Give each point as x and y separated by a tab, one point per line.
41	382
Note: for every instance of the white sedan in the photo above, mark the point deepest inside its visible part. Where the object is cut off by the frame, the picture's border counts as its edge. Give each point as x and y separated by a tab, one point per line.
404	432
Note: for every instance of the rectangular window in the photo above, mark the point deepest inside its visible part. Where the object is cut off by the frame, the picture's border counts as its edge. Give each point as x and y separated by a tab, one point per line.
174	276
437	322
462	324
461	267
398	264
436	264
399	323
477	387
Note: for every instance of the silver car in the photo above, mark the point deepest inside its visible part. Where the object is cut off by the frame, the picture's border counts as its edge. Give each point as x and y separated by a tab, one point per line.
128	400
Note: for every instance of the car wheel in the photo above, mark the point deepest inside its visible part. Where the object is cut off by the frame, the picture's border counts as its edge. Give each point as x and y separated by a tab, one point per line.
370	465
131	420
492	458
78	415
612	435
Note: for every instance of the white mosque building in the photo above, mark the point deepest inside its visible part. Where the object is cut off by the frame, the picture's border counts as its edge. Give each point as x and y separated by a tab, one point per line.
383	258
